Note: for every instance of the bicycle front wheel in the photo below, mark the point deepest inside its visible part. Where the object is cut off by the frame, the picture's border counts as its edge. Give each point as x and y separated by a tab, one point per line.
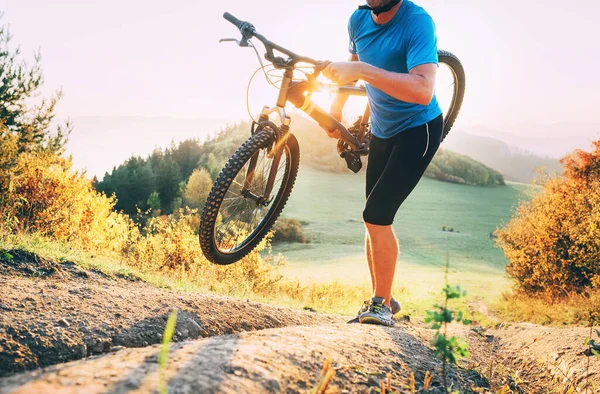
450	87
236	216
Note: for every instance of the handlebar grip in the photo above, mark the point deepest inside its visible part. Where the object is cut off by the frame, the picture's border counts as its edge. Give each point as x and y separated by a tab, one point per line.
230	18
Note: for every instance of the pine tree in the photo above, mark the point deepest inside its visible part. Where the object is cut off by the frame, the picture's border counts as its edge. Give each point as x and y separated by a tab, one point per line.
30	124
168	177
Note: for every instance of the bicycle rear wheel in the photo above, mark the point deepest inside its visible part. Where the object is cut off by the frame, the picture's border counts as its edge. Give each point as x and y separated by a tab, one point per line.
236	218
450	88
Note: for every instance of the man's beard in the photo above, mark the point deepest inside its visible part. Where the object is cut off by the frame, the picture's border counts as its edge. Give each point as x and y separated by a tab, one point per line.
379	6
377	3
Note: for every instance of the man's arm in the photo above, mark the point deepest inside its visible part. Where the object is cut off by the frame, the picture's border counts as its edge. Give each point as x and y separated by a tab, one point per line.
421	57
340	99
415	87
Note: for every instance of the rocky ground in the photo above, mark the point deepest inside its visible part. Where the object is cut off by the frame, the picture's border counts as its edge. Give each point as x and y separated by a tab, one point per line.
56	312
91	332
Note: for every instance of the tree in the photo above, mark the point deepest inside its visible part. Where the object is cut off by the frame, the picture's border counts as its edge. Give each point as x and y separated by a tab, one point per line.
197	189
154	203
168	176
186	155
20	83
132	183
24	126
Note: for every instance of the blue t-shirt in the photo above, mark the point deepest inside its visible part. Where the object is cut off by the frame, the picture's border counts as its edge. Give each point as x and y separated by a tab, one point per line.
407	41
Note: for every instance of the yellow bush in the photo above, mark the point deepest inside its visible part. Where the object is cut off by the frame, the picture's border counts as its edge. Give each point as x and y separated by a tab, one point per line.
553	242
197	189
169	244
43	195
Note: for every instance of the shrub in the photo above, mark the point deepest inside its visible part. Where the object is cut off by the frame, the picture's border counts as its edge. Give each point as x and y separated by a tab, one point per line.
553	242
289	230
169	244
197	189
45	196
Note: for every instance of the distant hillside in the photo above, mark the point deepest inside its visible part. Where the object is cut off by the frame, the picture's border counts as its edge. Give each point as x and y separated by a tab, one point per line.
553	140
159	180
514	163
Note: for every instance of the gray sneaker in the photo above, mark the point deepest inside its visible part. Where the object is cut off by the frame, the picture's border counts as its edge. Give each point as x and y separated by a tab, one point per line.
365	307
378	313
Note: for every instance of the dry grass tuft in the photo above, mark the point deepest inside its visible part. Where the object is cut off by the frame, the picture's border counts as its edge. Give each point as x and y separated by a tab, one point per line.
327	375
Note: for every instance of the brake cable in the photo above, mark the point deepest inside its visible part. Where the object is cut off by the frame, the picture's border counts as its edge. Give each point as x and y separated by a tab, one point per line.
269	81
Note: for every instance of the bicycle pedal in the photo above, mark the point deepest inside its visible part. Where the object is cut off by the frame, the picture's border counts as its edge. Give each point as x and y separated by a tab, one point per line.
352	161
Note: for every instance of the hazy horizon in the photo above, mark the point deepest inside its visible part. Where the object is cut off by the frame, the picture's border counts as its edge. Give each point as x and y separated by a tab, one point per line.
526	63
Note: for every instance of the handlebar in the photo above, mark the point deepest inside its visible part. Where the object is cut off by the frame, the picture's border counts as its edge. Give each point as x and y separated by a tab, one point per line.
246	28
249	31
230	18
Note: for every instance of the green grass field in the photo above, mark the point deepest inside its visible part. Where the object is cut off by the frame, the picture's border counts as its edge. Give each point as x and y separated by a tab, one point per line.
331	205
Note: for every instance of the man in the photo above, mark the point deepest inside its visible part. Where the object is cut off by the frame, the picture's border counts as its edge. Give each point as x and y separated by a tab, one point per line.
394	50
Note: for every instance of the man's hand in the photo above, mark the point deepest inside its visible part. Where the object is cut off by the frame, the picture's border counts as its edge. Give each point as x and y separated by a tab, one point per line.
343	73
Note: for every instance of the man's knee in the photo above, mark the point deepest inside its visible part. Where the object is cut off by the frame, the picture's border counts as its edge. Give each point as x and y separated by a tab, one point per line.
373	217
376	229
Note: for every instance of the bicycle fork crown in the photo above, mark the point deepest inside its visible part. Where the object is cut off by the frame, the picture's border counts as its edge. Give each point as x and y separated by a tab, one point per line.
283	118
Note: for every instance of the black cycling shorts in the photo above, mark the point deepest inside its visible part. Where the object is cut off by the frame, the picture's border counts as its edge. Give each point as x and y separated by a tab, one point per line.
395	167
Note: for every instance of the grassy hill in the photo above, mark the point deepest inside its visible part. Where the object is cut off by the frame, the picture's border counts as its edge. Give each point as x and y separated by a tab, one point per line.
331	206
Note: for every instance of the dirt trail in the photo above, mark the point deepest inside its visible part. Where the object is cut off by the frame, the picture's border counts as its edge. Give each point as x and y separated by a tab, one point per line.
52	314
276	360
562	351
56	312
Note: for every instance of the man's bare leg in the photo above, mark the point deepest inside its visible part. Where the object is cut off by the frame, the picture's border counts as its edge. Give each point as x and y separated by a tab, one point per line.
384	253
369	254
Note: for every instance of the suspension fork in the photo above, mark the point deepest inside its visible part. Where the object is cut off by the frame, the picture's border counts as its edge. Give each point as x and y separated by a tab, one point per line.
275	153
252	166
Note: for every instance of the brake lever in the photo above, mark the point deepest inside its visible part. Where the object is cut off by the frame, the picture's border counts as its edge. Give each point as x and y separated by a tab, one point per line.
243	42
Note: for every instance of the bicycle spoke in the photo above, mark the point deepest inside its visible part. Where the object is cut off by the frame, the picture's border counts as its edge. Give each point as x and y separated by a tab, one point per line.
240	216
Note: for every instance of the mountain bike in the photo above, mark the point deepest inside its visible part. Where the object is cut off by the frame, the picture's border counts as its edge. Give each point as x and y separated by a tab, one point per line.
251	191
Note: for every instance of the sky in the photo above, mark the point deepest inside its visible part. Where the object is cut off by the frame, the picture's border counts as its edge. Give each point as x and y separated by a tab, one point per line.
527	61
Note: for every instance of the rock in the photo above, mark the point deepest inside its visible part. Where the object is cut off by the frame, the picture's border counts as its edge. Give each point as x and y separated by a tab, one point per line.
373	380
99	347
132	383
273	386
187	327
116	348
5	307
63	322
185	333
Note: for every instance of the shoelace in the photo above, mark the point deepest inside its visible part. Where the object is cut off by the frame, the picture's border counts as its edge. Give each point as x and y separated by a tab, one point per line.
376	308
